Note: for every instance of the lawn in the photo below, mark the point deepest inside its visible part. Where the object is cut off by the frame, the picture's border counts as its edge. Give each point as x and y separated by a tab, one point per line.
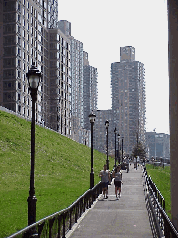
161	177
62	171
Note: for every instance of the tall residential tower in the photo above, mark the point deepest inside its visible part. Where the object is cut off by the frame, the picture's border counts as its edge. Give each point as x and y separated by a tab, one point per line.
90	91
29	34
128	98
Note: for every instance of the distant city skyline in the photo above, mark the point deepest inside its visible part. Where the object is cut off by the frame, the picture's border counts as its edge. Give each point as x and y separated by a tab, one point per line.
104	28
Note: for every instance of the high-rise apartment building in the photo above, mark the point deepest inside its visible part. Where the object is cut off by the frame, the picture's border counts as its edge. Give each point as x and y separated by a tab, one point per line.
158	145
25	40
59	82
128	98
79	133
29	34
65	27
90	92
67	93
52	15
77	89
100	142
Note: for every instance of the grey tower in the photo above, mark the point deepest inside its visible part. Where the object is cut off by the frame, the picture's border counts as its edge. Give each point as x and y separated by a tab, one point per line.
128	98
24	31
90	93
29	33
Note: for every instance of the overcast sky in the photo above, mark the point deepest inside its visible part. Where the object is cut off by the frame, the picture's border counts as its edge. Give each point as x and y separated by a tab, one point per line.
104	26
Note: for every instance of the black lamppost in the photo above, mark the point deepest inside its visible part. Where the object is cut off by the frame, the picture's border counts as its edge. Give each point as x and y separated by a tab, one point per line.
107	125
118	136
33	76
137	148
122	148
92	117
115	132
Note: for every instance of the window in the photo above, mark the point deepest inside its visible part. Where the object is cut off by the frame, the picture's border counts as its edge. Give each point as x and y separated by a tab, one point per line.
19	51
19	18
19	87
19	108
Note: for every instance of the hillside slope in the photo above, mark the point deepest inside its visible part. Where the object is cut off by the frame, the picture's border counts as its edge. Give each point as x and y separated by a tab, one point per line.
62	171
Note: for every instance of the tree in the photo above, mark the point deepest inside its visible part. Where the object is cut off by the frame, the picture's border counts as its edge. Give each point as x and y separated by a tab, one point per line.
139	150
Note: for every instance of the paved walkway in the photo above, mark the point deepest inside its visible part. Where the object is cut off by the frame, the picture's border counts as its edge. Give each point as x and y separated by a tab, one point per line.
126	217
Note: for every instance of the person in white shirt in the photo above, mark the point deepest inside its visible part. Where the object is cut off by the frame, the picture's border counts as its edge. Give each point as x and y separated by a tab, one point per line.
117	175
105	178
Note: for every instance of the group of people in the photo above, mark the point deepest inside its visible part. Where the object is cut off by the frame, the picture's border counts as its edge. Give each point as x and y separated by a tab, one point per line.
106	179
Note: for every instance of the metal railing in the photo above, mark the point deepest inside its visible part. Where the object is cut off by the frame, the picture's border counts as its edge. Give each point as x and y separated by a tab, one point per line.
156	191
160	223
59	223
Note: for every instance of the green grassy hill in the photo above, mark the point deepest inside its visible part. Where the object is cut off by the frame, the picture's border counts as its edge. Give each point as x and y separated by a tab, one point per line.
161	177
62	171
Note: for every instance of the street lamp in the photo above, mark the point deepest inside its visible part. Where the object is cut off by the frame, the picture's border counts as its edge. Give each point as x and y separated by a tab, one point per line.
115	132
118	136
107	125
122	148
92	117
33	77
137	147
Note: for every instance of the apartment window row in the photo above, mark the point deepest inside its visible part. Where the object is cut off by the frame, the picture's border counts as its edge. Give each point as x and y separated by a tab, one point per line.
9	97
9	6
9	28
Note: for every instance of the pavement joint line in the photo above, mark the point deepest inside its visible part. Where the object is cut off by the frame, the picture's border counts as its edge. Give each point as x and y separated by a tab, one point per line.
84	214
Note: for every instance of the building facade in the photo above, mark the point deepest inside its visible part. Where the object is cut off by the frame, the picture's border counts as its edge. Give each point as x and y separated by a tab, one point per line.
25	40
128	106
79	132
128	98
59	82
90	91
100	131
158	145
29	34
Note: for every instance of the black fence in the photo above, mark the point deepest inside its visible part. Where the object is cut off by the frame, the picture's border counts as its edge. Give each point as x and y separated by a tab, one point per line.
160	223
60	223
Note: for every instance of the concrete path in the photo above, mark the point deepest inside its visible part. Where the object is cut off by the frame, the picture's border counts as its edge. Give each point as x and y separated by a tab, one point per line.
110	218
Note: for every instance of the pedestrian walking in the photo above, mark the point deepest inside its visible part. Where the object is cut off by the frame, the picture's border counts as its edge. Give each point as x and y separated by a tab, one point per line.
117	175
105	179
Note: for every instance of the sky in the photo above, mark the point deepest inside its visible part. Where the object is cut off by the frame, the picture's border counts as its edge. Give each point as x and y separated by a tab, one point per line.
104	26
